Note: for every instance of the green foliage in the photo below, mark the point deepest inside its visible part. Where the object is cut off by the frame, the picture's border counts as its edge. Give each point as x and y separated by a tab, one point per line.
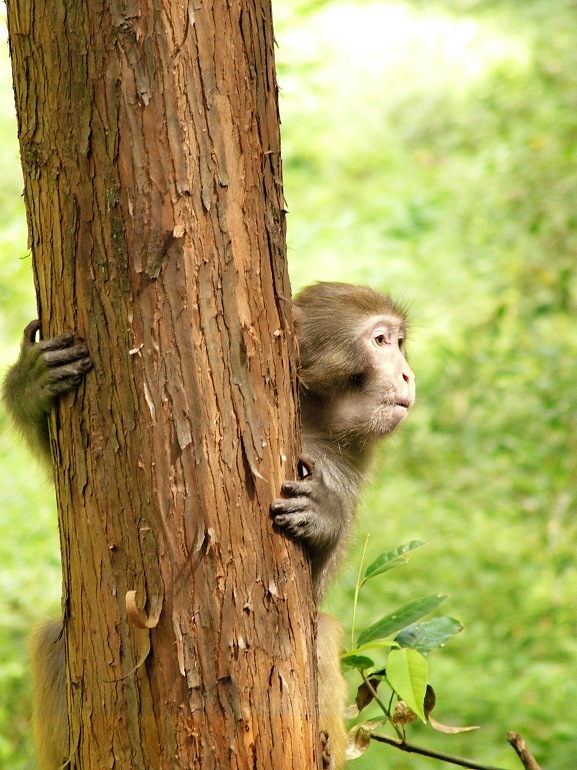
401	618
429	149
407	673
430	635
391	559
406	670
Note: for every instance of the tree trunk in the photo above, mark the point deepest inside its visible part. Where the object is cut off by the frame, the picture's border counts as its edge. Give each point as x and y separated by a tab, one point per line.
149	136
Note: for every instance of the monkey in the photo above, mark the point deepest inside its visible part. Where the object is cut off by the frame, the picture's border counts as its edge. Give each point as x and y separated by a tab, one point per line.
355	387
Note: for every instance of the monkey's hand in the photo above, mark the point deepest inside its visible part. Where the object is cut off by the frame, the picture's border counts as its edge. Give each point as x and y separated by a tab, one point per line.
309	510
328	761
43	372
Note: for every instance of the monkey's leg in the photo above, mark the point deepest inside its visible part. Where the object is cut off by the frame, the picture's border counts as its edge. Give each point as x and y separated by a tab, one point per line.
332	691
50	712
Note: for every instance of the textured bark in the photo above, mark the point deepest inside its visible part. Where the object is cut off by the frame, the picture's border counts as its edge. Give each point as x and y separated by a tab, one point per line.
149	135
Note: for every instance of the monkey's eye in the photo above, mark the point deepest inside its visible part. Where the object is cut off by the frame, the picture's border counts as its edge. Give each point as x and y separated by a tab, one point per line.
381	339
401	343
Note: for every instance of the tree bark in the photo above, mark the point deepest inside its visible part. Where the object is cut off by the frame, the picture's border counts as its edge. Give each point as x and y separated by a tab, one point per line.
149	137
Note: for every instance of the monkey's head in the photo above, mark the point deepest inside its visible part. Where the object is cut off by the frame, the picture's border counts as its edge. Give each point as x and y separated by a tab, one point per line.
355	381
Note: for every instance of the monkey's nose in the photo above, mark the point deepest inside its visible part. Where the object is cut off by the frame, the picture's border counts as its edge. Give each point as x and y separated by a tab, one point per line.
409	380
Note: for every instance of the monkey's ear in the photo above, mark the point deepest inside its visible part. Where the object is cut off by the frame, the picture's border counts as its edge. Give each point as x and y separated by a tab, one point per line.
297	319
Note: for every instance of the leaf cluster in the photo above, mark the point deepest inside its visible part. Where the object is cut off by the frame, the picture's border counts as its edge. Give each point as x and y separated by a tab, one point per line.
407	640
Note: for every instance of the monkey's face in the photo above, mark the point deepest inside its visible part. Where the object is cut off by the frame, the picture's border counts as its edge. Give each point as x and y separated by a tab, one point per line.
378	394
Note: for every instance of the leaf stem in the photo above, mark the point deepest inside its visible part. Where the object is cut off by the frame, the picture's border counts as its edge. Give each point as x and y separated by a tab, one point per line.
358	585
386	711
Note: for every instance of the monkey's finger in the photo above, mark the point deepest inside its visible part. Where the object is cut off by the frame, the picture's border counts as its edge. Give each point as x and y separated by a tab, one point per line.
76	369
296	489
326	751
279	508
66	355
62	386
328	763
57	343
300	525
294	521
30	331
306	466
63	378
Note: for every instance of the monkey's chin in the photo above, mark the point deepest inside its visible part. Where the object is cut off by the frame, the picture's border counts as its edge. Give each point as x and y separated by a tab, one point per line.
388	419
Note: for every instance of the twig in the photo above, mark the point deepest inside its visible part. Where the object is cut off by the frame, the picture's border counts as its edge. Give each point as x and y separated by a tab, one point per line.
518	743
384	709
436	754
357	589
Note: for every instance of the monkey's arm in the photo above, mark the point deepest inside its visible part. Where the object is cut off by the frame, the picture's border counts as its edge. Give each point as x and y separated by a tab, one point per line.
43	371
317	509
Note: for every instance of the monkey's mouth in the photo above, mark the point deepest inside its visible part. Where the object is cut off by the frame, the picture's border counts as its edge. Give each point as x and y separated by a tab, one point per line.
403	402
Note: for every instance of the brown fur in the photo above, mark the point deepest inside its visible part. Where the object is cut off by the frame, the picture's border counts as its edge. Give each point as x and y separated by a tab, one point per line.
355	387
50	716
332	687
328	318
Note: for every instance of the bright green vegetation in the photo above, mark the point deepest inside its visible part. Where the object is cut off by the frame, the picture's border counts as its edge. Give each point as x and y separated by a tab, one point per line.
430	149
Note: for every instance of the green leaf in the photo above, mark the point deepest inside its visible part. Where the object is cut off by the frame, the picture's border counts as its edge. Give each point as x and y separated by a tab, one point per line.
356	661
429	635
407	673
377	644
401	618
391	559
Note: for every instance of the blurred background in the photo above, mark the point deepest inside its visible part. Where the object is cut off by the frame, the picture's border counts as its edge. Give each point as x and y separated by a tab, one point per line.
429	150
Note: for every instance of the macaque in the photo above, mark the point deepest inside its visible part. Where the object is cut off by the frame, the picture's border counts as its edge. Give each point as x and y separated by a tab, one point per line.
355	387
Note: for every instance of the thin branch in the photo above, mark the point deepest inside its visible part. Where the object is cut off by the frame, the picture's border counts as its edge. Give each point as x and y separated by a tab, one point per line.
384	709
403	746
518	743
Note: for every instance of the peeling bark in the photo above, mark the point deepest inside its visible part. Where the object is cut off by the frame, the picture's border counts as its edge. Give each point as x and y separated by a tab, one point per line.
149	136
